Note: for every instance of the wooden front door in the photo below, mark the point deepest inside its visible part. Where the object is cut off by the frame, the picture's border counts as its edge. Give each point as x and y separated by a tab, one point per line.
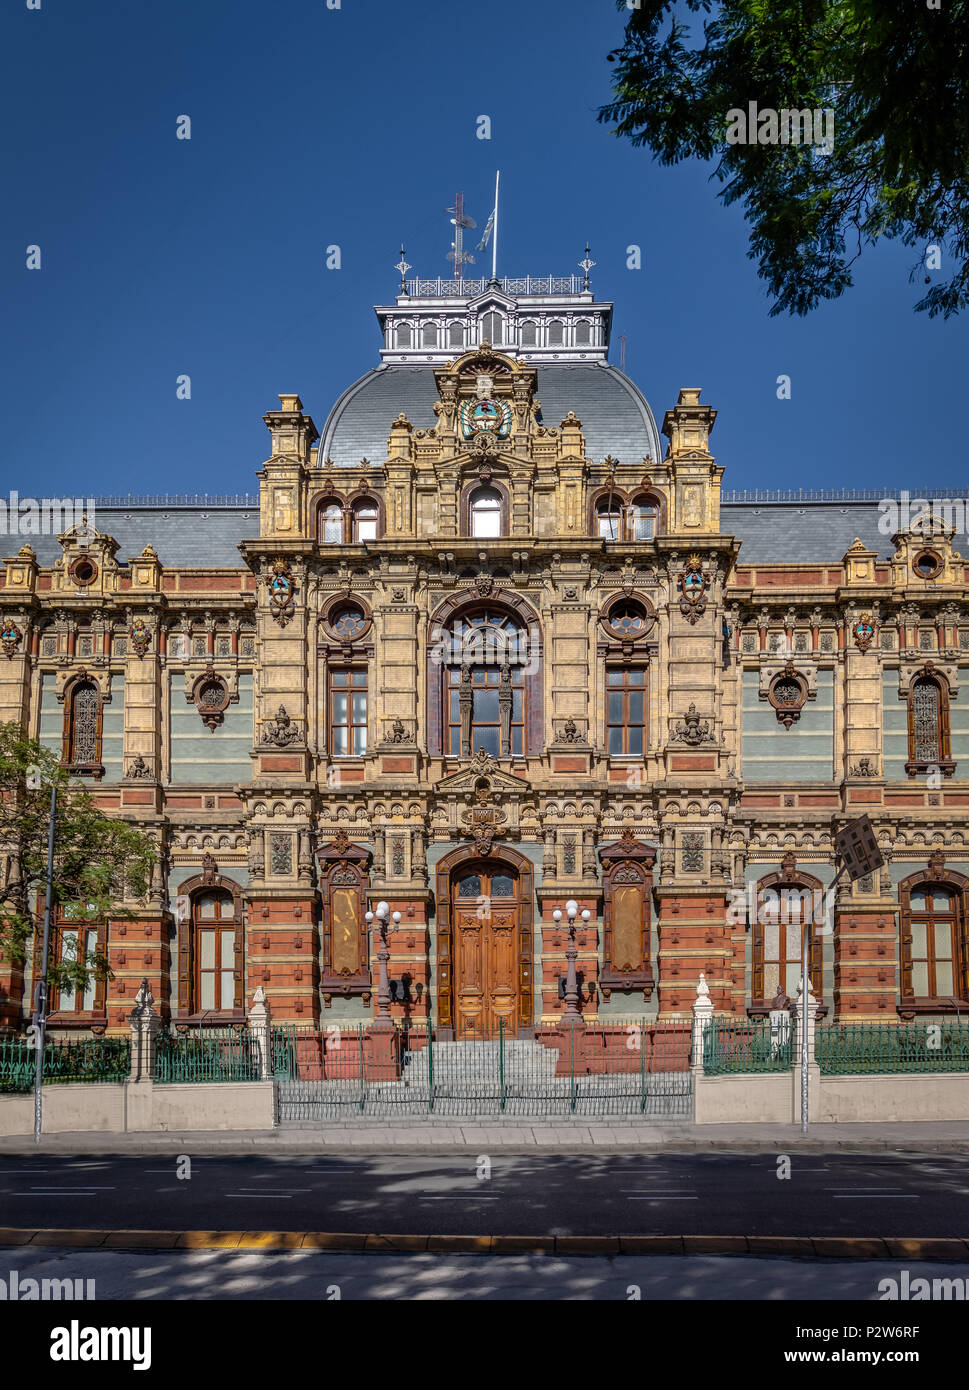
487	925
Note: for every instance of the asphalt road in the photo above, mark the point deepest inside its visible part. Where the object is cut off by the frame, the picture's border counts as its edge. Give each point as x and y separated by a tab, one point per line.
599	1194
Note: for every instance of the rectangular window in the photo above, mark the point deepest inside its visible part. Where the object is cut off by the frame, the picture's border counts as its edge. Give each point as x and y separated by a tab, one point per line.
72	943
485	711
626	713
348	713
933	953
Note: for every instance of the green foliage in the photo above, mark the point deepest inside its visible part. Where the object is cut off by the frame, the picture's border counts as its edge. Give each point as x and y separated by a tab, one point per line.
897	79
99	861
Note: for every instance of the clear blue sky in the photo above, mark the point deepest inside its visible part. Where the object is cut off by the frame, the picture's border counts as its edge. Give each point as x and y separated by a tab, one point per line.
356	126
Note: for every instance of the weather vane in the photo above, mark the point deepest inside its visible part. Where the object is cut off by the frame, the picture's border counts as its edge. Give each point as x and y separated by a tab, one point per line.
586	265
403	267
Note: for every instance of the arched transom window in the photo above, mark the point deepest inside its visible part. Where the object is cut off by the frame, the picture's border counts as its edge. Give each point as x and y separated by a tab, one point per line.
484	686
485	510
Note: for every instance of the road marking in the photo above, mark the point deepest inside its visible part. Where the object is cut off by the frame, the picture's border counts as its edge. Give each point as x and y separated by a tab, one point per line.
88	1187
664	1199
877	1197
262	1196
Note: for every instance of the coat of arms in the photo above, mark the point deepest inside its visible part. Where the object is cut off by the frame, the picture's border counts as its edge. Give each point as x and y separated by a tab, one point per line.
693	588
281	588
863	631
485	415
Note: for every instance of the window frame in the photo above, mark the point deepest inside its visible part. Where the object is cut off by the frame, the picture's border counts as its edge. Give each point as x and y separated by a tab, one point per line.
916	766
347	669
59	1013
188	1006
625	688
936	878
784	881
91	767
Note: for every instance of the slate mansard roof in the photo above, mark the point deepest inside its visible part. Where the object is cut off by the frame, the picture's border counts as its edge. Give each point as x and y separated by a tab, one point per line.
203	532
616	418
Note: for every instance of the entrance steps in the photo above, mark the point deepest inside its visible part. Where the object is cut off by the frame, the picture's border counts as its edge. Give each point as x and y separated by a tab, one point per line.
479	1064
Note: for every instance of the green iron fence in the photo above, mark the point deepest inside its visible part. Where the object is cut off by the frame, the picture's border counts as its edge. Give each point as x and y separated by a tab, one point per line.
608	1067
88	1060
732	1046
847	1049
206	1054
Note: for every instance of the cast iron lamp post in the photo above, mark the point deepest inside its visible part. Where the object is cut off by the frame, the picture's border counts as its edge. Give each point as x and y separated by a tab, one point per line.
383	1019
572	1014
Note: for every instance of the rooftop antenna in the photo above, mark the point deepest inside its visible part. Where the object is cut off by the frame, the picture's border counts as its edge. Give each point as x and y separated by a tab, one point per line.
459	222
403	267
622	352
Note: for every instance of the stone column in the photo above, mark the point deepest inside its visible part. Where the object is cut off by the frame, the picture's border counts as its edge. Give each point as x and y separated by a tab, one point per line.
260	1026
145	1023
702	1017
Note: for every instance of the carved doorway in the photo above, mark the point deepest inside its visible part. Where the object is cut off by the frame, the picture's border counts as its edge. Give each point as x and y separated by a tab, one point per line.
486	913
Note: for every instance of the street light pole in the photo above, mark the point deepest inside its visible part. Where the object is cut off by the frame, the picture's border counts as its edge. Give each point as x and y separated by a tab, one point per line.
572	1013
40	996
383	1019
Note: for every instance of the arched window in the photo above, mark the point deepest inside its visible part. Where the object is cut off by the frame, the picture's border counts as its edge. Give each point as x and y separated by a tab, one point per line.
643	515
213	951
484	695
583	333
492	328
556	333
928	726
609	519
784	905
456	335
934	945
403	335
330	524
429	335
529	334
485	511
366	515
82	750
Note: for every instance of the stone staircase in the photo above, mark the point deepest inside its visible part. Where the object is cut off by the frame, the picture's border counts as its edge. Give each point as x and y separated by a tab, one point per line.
478	1067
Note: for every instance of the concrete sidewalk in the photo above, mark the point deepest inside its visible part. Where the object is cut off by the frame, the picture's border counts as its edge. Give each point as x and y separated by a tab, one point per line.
365	1136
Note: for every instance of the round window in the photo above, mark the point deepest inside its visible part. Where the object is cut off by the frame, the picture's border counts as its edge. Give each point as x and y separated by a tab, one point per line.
927	564
628	619
84	570
348	621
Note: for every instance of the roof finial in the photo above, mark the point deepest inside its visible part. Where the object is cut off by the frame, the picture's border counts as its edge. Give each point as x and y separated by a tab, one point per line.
586	265
403	267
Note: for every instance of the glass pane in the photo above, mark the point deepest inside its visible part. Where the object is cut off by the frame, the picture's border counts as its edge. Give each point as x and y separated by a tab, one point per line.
454	742
919	941
454	707
608	526
615	740
207	949
366	529
339	708
360	709
615	708
228	991
502	886
635	707
340	741
920	980
469	886
941	902
88	999
516	706
917	900
792	977
485	523
635	677
614	677
360	740
205	905
359	678
338	678
943	942
516	740
943	979
228	949
486	706
772	941
207	991
635	740
486	739
69	948
771	978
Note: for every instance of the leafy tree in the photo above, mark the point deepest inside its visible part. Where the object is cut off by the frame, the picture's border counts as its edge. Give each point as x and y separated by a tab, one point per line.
896	78
97	859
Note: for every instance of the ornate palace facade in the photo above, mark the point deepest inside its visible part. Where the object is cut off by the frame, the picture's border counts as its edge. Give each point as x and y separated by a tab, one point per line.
484	645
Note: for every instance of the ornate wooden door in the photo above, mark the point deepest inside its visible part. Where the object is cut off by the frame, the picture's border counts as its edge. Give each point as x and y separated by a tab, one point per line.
486	917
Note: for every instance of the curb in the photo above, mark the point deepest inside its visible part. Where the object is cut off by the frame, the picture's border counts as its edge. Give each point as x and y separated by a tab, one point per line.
838	1247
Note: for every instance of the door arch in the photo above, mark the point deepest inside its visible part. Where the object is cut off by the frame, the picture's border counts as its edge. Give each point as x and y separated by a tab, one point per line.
484	942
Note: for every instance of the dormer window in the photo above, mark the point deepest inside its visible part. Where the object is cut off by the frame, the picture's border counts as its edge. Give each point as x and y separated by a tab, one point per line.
456	335
583	333
529	335
429	336
643	519
332	524
492	328
556	333
403	335
365	517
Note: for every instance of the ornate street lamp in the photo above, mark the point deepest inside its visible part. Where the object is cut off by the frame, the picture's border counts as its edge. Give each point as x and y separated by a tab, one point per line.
572	1014
383	1019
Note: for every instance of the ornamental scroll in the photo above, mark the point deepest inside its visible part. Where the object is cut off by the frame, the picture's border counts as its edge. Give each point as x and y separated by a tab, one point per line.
627	886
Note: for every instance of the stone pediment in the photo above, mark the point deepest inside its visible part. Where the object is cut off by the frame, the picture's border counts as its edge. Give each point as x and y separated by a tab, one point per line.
466	779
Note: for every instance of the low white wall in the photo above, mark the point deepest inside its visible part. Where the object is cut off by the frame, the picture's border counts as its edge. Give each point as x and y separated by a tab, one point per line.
881	1099
745	1099
214	1105
143	1107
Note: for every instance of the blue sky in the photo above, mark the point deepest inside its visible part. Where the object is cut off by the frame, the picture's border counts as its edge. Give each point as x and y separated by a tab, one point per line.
356	127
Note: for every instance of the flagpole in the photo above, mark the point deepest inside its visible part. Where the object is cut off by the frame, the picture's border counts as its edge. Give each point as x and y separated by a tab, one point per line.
494	246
